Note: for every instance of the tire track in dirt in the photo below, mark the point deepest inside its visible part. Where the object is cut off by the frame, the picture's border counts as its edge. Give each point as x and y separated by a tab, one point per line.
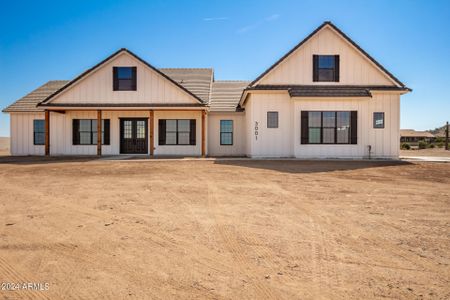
88	260
87	257
228	235
325	275
12	275
190	278
158	237
377	241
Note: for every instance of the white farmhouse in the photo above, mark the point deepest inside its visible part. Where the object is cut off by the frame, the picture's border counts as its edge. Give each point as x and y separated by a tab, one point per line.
326	98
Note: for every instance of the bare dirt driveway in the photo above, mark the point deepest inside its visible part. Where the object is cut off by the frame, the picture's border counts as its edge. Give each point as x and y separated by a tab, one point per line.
96	229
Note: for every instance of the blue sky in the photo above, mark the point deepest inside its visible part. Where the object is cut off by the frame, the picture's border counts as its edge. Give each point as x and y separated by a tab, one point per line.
43	40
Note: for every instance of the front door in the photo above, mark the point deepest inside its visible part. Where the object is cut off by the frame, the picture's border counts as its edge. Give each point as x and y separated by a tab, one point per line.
133	136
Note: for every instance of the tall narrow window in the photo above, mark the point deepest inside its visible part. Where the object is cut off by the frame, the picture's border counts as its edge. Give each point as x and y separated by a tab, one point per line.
314	127
328	127
177	132
272	119
378	120
326	68
38	132
124	78
84	132
343	127
226	132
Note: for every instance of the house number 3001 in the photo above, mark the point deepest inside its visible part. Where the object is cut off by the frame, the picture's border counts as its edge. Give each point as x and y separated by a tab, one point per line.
256	130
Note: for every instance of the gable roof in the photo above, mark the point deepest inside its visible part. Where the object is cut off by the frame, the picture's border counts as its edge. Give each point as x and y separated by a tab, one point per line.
348	39
28	102
196	80
225	95
123	50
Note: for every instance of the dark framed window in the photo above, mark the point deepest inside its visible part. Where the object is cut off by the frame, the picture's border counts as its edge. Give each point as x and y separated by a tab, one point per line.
124	79
38	132
326	68
84	131
272	119
378	120
329	127
177	132
226	132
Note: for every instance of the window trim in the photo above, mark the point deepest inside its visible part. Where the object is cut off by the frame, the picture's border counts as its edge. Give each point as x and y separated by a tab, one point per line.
116	80
93	143
375	126
316	68
351	129
177	144
278	119
34	133
221	132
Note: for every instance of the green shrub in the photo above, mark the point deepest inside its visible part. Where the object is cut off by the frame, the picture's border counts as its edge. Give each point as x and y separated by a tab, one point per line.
440	139
422	145
430	146
440	144
405	146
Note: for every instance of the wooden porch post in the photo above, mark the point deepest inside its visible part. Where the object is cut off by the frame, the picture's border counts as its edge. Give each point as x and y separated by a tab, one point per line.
99	132
203	133
47	132
152	134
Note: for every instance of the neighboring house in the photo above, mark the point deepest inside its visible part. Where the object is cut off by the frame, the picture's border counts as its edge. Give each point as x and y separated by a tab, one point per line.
326	98
413	136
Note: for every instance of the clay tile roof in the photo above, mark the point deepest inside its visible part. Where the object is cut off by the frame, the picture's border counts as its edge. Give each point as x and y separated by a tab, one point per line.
196	80
225	95
28	103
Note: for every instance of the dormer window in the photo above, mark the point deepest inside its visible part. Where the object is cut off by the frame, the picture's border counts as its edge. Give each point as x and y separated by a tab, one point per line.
124	78
326	68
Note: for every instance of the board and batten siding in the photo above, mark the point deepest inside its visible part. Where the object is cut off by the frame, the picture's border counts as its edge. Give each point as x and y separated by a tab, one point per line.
21	129
269	142
181	150
384	141
355	69
97	87
239	141
285	141
61	133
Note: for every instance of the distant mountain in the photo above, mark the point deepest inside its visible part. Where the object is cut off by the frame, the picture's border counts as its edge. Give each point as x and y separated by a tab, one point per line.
440	131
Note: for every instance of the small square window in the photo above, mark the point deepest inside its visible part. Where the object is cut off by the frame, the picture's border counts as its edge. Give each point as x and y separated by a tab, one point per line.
272	119
378	120
326	68
124	78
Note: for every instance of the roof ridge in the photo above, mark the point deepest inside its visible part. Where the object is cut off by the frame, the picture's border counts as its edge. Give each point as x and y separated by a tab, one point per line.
232	81
209	68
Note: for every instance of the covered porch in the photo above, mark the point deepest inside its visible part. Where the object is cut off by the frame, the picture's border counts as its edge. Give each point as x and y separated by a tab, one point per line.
148	131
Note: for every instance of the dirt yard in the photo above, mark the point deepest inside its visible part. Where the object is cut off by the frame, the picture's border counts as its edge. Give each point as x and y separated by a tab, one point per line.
225	229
